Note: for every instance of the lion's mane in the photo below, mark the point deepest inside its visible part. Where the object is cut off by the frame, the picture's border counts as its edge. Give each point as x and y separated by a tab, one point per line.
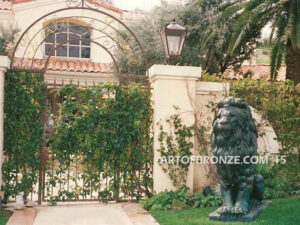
234	134
242	140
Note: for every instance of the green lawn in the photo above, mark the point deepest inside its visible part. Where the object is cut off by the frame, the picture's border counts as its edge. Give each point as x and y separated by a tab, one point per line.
4	215
262	58
281	212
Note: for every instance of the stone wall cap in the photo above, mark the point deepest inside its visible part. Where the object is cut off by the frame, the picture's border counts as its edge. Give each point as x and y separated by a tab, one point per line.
212	86
175	71
4	62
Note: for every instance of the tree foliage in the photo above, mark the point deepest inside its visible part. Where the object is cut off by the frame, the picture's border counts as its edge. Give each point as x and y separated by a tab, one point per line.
147	30
251	16
7	38
207	40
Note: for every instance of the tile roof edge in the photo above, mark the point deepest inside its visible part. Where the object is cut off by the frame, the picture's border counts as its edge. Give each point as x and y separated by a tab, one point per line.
101	4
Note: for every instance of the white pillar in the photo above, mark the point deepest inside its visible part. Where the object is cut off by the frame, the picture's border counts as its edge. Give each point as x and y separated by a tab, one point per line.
4	65
172	86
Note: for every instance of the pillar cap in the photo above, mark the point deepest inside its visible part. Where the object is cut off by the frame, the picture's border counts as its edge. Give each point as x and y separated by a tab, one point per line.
174	72
4	62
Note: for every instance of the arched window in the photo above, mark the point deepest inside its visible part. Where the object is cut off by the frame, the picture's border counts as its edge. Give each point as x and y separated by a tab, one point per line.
69	34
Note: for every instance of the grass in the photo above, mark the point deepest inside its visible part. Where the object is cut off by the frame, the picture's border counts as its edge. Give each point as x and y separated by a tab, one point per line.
262	58
4	216
281	212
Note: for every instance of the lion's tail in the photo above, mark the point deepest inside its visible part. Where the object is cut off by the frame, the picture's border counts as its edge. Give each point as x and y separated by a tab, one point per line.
258	188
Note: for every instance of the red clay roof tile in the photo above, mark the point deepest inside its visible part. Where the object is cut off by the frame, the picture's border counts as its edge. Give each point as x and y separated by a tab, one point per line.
5	5
256	72
64	64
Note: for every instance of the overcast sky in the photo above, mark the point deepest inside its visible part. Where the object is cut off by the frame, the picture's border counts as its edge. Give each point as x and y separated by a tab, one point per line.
139	4
148	4
136	4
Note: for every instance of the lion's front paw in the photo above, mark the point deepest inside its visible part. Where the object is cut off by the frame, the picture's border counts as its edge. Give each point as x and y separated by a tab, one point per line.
224	209
239	211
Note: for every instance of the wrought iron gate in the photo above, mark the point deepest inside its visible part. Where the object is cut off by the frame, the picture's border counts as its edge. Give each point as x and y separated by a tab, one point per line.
73	183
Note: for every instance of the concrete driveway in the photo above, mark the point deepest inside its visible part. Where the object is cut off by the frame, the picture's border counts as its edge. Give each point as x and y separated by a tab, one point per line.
92	214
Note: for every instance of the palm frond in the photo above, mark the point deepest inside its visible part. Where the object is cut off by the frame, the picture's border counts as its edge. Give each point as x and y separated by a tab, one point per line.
230	10
253	4
275	22
276	59
240	28
272	34
279	59
252	22
282	26
278	49
208	36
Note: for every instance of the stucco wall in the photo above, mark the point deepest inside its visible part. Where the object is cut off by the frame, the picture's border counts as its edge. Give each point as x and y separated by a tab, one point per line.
6	17
26	13
172	86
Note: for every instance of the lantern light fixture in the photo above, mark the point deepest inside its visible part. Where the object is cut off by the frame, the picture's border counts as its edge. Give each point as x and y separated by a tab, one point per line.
173	37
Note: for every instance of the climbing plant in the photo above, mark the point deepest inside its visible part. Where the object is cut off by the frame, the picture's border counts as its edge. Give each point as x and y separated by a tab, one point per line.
22	132
101	144
175	149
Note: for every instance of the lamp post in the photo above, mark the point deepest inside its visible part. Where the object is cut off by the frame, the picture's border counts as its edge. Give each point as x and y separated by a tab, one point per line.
173	37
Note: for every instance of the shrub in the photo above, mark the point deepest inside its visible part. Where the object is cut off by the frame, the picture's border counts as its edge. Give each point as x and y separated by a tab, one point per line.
271	193
279	105
276	186
167	200
200	200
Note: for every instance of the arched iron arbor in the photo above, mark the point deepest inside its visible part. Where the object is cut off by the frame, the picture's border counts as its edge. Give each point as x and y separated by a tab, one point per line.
108	34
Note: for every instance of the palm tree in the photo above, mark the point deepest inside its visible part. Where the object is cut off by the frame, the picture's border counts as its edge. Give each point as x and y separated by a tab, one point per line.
284	17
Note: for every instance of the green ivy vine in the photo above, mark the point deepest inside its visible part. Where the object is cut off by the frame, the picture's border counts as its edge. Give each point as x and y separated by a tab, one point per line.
175	143
22	132
101	146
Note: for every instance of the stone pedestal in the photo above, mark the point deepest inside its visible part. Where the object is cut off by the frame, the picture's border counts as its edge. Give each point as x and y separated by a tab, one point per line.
252	215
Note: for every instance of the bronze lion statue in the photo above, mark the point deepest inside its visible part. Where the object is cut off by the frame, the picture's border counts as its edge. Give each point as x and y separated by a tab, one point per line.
235	135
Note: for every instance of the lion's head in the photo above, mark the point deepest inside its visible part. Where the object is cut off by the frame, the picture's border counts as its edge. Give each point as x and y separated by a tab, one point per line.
233	128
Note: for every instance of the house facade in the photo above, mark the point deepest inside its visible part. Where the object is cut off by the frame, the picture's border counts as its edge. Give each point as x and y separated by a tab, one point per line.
68	41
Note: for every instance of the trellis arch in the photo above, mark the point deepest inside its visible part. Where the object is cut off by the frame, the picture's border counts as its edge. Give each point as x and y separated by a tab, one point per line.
114	38
108	33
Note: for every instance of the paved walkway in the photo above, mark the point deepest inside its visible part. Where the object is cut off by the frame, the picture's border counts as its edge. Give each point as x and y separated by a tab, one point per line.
22	217
93	214
138	215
